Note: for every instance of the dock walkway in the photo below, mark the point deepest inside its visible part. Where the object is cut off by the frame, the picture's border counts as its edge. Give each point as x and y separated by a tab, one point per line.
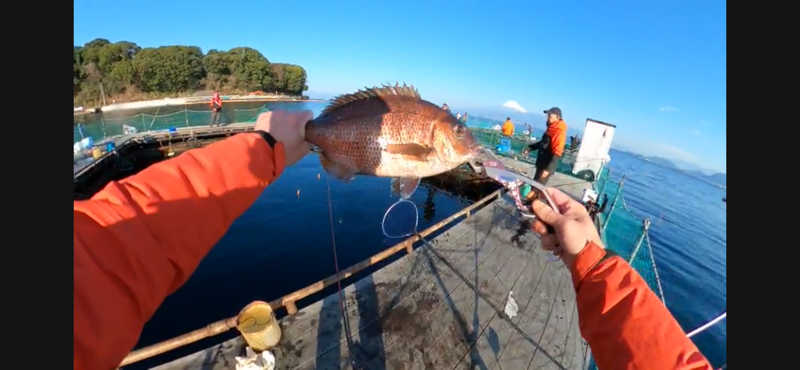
441	306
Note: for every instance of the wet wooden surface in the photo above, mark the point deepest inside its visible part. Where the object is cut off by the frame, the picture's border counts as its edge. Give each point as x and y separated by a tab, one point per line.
440	307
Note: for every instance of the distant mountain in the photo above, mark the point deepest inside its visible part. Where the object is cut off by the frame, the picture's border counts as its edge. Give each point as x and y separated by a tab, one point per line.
660	161
692	170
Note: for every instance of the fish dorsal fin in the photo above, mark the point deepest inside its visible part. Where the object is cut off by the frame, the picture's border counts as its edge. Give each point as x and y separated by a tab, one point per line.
372	92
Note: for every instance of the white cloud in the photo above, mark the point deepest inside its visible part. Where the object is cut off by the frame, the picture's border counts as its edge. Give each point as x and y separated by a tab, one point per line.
668	108
512	104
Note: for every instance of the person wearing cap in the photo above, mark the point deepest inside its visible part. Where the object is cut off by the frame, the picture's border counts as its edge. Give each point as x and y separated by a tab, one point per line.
445	107
508	127
216	107
551	147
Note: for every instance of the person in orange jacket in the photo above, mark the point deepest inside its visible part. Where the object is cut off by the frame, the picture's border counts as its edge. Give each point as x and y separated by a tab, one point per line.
216	107
551	147
624	322
508	127
130	253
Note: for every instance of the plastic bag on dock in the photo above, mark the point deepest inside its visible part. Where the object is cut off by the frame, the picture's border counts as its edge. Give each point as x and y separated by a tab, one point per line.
255	361
511	306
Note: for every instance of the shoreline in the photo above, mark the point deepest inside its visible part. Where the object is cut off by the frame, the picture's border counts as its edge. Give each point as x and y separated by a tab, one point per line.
154	103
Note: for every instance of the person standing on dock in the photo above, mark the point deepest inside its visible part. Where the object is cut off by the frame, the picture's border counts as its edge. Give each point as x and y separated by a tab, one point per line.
508	127
551	147
216	107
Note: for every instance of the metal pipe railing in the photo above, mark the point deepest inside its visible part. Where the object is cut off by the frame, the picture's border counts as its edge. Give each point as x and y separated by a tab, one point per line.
614	203
645	227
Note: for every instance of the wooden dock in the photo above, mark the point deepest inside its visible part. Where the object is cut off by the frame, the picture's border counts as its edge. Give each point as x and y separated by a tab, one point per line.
441	306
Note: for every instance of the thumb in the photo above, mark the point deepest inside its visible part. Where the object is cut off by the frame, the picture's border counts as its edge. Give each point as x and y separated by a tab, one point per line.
305	117
544	212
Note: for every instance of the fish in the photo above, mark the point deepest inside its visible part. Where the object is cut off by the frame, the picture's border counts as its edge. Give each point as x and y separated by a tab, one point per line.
389	131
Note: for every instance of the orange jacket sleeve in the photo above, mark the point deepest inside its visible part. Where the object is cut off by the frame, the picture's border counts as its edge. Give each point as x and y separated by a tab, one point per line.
139	239
625	324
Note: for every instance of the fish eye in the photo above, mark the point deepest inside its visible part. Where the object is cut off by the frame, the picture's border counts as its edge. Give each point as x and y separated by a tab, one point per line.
459	130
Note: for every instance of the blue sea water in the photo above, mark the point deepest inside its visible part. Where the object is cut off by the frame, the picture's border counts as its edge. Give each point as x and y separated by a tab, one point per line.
689	240
282	243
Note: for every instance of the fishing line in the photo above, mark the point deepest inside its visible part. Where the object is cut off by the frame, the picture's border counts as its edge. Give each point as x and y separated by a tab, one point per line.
342	302
416	219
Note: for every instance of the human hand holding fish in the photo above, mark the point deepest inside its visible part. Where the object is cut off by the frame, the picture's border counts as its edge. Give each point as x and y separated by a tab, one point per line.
288	128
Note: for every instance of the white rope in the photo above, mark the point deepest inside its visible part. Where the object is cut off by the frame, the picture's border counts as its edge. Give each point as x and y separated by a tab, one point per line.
707	325
655	270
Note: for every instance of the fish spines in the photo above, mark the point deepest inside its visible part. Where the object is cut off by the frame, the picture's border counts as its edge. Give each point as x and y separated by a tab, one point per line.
372	92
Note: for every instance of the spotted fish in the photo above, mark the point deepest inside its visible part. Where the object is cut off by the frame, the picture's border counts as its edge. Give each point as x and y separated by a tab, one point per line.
389	131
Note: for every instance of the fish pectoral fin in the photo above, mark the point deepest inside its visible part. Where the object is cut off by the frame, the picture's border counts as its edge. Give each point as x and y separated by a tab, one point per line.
404	186
412	151
338	170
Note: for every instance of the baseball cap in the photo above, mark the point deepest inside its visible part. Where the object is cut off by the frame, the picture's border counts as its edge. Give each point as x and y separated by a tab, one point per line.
555	110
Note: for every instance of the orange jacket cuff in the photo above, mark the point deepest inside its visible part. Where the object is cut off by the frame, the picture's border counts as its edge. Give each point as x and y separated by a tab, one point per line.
278	157
585	261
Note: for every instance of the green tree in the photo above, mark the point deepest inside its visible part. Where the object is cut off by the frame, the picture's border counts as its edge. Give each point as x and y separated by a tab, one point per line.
217	65
116	52
295	79
95	61
169	68
250	69
121	76
116	66
77	70
278	76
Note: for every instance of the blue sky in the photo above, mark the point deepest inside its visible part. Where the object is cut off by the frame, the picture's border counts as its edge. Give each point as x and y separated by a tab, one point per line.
655	69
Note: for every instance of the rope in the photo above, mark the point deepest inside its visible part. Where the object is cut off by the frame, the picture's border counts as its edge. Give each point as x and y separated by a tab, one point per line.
154	119
655	270
707	325
636	213
342	302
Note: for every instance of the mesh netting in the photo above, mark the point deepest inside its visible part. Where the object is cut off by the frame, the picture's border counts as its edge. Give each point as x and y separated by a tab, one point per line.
142	122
